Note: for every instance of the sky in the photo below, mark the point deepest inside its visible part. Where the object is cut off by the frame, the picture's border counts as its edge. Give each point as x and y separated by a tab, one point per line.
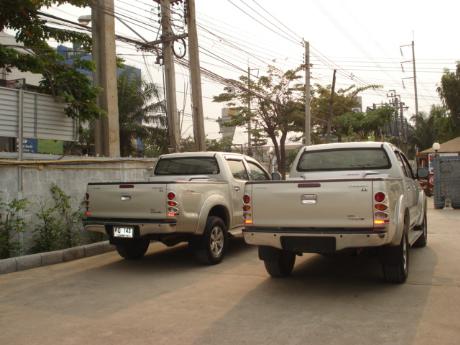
361	39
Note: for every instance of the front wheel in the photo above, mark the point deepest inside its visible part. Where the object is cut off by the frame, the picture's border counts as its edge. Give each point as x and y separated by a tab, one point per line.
281	264
133	249
210	248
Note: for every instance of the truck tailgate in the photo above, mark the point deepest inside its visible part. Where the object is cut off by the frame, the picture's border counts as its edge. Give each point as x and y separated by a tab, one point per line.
322	204
127	200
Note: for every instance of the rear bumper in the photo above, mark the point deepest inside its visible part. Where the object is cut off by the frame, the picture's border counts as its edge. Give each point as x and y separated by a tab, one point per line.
309	240
142	227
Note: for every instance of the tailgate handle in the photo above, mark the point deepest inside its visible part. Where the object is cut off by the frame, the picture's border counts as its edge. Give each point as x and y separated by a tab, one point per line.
309	199
125	197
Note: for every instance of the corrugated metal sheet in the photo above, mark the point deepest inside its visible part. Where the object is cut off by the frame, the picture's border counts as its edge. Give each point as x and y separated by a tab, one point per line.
43	117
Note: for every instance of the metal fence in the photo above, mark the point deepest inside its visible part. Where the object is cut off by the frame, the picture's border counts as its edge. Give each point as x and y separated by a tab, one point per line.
446	181
31	115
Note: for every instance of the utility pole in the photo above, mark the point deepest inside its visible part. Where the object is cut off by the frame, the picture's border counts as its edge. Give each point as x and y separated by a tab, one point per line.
307	133
195	76
415	78
107	130
414	72
331	107
170	75
249	113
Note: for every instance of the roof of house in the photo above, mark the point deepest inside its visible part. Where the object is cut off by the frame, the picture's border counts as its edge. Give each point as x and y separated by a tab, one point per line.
451	146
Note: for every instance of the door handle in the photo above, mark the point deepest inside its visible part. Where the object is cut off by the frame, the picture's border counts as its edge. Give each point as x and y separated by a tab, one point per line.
236	188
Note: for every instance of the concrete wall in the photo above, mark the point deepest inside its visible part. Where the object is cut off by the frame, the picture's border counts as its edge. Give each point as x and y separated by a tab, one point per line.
71	176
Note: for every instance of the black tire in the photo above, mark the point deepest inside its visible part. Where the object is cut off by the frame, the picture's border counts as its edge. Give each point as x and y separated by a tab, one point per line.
455	204
133	249
423	239
280	265
210	248
396	261
439	204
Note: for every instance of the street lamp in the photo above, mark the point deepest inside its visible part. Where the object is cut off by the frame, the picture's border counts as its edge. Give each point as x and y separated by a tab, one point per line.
436	147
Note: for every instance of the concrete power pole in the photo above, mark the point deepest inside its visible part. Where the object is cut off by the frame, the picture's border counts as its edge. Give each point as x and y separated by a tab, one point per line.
107	130
170	76
195	76
415	78
331	107
307	134
249	113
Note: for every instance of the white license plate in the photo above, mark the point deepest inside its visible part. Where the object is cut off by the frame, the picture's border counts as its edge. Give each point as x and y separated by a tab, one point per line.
123	231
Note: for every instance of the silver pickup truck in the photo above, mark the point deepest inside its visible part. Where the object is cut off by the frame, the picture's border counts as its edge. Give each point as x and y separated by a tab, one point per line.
338	196
192	197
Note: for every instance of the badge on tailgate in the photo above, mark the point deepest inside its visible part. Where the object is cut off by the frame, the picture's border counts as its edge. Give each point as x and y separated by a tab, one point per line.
308	199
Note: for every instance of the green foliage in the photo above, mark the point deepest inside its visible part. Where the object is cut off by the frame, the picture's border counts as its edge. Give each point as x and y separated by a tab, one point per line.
142	115
430	128
219	145
11	225
344	101
277	107
59	225
363	126
449	91
59	79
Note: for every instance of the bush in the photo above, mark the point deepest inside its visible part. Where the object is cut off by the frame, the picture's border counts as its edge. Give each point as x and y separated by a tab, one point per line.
59	225
11	225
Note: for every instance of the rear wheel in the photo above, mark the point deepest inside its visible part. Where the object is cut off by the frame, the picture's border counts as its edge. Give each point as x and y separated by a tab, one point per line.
210	248
455	204
439	203
281	264
396	261
133	249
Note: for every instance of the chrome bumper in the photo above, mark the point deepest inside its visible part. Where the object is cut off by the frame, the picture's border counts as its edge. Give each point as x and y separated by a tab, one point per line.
352	239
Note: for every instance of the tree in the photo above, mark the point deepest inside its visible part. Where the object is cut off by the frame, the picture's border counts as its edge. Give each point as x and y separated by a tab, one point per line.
430	128
59	79
363	126
277	106
345	100
141	114
449	91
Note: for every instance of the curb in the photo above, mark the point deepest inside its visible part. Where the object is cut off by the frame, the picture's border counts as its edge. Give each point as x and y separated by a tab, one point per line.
26	262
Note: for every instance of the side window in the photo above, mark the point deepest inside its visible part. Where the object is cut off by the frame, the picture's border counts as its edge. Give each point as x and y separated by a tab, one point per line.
256	173
238	170
401	164
407	164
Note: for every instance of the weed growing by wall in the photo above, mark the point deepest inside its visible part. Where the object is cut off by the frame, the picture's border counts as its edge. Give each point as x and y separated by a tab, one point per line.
11	225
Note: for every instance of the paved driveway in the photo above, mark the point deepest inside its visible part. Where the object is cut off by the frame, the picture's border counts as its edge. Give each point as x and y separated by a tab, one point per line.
168	299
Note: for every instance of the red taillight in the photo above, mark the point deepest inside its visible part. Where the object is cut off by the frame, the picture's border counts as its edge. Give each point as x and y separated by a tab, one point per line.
379	197
172	203
171	196
381	207
246	208
246	199
87	214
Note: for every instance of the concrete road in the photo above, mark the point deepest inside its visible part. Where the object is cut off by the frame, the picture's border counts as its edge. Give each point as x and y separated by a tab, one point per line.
168	299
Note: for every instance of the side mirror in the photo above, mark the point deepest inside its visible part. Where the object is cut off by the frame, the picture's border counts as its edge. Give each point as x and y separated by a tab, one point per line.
276	176
422	173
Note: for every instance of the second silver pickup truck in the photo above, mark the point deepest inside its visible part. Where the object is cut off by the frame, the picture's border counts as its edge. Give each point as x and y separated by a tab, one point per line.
193	197
345	195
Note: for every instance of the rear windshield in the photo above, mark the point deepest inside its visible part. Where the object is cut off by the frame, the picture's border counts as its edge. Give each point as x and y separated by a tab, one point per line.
344	159
187	166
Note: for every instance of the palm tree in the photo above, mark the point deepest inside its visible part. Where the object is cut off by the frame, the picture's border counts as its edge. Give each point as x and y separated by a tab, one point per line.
142	114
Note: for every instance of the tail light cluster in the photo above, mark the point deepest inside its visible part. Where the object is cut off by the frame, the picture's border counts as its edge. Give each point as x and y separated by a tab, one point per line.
173	209
247	210
381	216
86	203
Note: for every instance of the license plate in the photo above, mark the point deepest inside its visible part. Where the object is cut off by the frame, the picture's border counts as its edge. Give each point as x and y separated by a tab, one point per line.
123	231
